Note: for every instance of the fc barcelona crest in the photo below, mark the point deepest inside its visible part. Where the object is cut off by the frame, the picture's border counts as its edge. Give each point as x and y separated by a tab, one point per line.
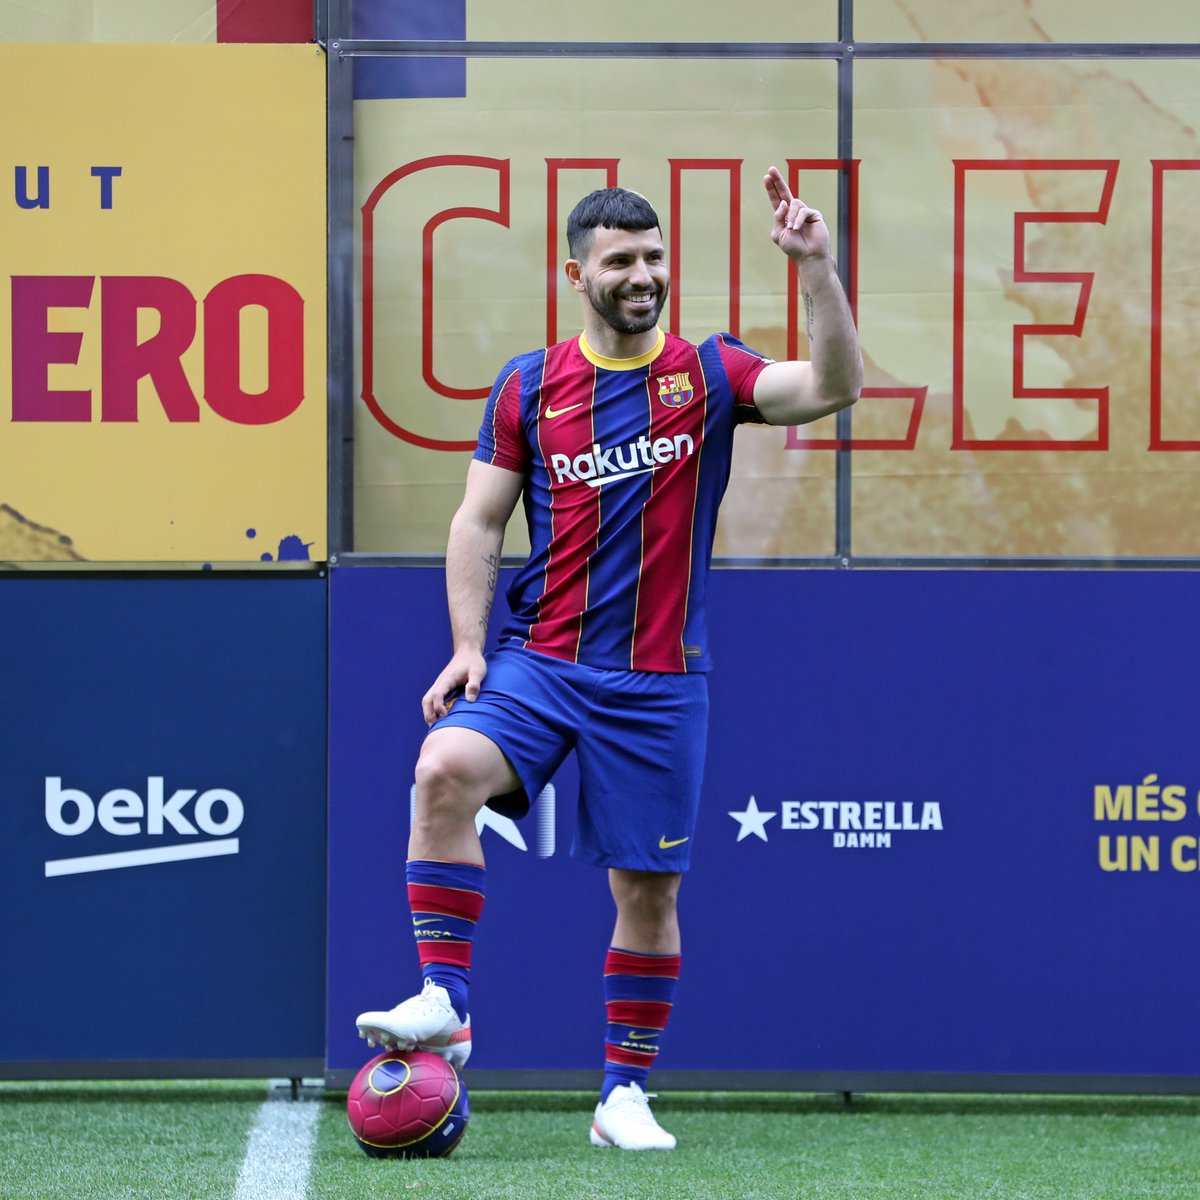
675	390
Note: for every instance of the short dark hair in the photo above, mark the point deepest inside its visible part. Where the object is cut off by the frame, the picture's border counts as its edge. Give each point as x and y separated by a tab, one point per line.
613	208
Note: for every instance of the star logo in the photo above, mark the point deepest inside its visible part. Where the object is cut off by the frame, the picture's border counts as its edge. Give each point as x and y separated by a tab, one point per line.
752	821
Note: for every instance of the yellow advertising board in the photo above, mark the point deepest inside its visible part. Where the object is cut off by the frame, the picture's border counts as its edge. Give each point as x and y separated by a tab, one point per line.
162	319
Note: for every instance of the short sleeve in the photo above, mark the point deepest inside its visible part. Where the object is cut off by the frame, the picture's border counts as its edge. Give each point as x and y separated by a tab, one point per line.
502	440
742	367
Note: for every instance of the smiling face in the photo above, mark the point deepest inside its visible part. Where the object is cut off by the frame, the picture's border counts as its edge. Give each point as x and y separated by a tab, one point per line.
625	278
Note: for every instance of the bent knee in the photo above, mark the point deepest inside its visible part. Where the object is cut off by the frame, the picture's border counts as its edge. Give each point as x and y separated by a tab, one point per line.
441	778
461	772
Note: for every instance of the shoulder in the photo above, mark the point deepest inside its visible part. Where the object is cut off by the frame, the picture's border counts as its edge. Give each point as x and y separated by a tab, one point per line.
533	365
730	352
740	363
520	376
731	347
677	346
523	363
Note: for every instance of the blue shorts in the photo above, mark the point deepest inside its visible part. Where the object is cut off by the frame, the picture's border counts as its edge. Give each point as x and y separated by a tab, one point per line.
639	739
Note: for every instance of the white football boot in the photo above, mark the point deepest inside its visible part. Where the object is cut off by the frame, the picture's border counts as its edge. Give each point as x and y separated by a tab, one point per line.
424	1022
625	1121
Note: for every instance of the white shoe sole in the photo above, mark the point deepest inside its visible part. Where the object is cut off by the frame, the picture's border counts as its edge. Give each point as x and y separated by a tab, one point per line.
599	1138
455	1048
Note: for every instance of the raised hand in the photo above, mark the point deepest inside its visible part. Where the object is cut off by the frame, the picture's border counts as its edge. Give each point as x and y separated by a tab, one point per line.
799	231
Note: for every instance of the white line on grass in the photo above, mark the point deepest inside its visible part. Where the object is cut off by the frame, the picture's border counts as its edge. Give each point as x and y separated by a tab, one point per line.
280	1150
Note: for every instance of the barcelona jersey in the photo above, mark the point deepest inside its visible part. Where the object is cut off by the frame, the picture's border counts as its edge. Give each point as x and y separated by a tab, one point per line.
625	462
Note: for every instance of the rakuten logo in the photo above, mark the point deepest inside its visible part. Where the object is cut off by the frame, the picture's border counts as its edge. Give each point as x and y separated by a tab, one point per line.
603	465
122	812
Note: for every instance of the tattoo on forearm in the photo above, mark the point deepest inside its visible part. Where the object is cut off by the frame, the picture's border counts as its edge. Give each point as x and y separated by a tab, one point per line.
808	314
492	562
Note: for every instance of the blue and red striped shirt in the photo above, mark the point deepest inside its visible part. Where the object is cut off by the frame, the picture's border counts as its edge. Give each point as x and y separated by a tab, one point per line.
625	462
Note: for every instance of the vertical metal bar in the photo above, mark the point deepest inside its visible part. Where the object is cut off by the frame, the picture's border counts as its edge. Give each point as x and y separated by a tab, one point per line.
321	22
843	489
340	295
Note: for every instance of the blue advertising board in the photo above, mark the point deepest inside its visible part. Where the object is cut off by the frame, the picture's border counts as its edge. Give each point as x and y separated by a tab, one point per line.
950	833
162	826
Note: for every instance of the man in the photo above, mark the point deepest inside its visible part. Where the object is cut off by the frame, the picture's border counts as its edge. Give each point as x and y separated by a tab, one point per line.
620	440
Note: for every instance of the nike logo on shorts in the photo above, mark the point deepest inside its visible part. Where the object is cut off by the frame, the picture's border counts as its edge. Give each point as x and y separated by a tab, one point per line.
663	844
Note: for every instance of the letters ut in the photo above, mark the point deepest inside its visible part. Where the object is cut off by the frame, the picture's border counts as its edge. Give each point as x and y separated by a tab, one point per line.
41	197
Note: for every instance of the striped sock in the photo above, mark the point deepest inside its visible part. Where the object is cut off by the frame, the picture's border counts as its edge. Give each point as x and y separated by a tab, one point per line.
639	990
446	900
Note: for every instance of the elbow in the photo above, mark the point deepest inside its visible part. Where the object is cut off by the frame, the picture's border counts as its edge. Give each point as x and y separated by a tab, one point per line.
843	389
856	379
845	397
854	387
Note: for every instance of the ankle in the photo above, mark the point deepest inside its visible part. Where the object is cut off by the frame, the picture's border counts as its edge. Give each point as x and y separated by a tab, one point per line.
455	985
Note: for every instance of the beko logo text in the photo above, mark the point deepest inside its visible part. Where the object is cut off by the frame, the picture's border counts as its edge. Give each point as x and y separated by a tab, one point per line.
123	812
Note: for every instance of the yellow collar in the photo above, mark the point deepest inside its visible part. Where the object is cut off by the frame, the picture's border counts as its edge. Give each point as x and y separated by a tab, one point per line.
622	364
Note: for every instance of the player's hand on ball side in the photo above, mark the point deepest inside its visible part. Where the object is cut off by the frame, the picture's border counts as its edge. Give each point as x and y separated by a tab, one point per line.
799	231
463	673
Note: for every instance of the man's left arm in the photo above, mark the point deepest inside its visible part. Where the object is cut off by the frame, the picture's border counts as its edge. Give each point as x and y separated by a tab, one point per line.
794	393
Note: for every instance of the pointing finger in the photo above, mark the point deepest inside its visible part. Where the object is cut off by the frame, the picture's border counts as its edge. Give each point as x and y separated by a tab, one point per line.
776	176
777	188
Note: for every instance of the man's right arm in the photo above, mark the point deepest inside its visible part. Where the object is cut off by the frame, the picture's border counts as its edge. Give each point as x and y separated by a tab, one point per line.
472	567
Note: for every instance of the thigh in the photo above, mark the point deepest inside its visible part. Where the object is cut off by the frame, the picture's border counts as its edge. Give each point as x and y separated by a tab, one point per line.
641	765
457	773
529	714
468	758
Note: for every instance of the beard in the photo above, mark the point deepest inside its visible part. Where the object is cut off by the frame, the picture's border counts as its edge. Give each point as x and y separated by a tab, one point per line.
608	307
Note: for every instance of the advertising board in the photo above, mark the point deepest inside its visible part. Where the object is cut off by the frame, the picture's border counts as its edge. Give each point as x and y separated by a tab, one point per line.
162	320
950	829
162	826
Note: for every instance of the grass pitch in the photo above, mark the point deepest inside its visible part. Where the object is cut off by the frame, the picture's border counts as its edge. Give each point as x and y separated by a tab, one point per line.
158	1141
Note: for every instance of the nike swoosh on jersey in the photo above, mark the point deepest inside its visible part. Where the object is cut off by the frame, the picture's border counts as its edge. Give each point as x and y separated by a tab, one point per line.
551	413
663	844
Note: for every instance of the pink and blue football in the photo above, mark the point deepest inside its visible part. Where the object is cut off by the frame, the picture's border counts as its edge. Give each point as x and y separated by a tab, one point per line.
407	1104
